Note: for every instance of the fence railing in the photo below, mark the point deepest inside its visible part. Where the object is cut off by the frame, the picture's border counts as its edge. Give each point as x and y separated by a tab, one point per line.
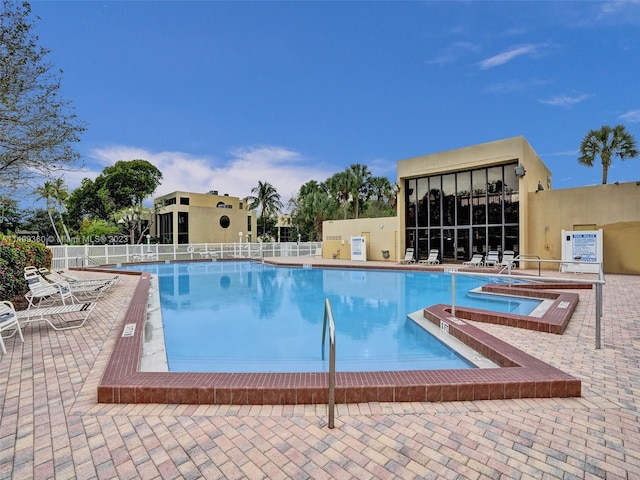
65	256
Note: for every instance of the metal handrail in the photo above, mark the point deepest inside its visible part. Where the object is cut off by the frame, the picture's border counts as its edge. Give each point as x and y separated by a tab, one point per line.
328	318
598	284
89	260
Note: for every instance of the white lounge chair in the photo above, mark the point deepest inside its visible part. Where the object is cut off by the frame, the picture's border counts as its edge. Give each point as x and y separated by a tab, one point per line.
41	291
69	277
75	312
476	261
492	259
432	259
507	258
408	256
8	320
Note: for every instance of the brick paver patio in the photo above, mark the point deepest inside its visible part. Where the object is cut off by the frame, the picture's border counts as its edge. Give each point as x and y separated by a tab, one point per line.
52	427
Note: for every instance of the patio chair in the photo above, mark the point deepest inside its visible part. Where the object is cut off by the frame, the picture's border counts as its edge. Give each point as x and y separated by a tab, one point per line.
77	283
8	320
75	312
69	277
408	256
432	259
507	258
44	291
476	261
492	259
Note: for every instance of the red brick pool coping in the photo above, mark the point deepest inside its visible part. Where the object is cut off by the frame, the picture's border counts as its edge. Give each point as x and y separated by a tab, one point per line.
520	375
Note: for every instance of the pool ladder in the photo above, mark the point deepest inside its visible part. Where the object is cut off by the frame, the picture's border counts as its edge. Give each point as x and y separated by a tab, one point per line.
328	319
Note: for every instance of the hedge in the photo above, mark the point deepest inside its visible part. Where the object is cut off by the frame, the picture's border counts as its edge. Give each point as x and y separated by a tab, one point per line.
15	254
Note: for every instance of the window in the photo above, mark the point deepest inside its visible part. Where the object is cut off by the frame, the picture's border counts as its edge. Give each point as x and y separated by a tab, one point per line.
221	205
169	201
184	201
224	221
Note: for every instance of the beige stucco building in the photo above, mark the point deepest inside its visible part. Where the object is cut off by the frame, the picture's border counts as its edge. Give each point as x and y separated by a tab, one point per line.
187	217
495	196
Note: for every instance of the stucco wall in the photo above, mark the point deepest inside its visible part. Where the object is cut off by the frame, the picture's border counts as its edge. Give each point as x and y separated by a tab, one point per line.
381	235
613	208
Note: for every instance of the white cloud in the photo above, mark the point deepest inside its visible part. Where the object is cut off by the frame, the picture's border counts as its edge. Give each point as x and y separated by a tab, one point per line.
631	116
564	100
285	169
453	52
507	56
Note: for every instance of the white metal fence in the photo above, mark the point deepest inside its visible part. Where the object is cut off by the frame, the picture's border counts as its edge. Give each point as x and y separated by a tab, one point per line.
65	256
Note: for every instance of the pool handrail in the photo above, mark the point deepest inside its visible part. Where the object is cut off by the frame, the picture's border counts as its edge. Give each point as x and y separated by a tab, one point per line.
328	318
598	284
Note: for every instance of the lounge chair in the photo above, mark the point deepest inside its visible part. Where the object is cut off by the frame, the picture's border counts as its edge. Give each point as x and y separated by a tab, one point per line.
8	320
75	312
318	252
492	259
432	259
507	258
408	256
476	261
44	291
65	275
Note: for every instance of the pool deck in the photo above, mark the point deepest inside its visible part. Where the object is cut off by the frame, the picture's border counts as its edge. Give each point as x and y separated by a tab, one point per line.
51	425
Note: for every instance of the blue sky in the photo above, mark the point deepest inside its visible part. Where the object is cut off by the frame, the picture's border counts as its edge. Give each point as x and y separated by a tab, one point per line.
220	95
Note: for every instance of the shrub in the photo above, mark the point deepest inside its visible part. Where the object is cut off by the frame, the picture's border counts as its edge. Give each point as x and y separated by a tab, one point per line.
15	254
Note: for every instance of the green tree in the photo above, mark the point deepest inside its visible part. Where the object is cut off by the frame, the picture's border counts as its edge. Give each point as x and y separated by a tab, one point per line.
607	142
310	208
97	230
60	194
359	186
46	192
38	126
123	185
9	215
267	199
340	187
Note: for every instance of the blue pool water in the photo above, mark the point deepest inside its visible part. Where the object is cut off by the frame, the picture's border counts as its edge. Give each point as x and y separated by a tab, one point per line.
250	317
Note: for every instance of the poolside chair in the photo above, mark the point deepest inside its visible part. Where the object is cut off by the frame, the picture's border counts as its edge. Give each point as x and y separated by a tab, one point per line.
69	277
432	259
8	320
492	259
75	312
89	287
44	291
476	261
408	256
507	258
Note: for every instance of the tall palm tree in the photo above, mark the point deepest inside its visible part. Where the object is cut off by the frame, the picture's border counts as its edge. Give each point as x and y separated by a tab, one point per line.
267	199
340	186
607	142
46	192
60	194
360	186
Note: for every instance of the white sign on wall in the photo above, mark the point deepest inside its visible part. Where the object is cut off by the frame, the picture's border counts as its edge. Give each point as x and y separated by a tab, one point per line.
359	249
583	246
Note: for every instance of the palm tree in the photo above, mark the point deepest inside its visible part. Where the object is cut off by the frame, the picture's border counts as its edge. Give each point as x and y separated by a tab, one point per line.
359	188
60	194
46	192
607	142
268	199
340	186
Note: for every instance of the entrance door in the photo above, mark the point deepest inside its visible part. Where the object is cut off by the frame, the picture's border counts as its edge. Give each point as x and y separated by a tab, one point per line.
448	244
463	244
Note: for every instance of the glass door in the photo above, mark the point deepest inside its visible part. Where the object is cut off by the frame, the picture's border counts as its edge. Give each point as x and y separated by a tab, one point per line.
448	245
463	247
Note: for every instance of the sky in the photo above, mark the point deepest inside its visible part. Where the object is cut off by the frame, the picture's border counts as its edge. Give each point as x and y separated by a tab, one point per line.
221	95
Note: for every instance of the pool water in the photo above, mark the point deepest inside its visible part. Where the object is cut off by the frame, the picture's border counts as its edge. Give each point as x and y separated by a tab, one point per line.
251	317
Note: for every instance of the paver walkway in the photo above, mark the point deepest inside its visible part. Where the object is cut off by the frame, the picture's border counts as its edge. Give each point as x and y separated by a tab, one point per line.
52	427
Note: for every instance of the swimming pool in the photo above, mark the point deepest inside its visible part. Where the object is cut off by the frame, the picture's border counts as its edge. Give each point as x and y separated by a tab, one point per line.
251	317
